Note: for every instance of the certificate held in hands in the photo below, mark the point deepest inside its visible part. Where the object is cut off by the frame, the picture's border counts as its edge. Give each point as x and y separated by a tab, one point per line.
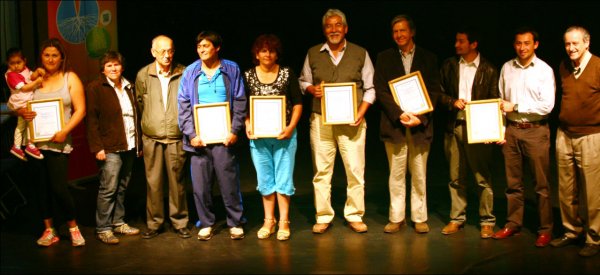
212	122
49	118
267	115
338	104
410	93
484	121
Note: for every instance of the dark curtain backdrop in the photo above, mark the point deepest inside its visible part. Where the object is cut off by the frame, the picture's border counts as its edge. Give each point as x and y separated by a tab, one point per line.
298	24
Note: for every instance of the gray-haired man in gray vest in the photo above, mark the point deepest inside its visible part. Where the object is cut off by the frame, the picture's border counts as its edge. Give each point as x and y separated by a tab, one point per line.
338	61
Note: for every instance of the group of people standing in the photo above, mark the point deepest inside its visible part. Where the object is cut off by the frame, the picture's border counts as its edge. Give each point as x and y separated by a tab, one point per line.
153	118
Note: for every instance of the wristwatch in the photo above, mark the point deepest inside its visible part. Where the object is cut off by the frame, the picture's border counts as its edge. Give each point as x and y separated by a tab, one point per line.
516	108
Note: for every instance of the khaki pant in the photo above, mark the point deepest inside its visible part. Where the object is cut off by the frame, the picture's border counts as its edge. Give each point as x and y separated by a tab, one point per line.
578	161
161	158
324	141
415	156
462	156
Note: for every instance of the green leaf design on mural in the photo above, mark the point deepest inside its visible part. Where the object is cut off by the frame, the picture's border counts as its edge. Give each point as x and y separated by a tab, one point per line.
97	42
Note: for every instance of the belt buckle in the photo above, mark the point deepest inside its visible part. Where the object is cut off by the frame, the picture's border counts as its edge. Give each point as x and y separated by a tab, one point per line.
525	125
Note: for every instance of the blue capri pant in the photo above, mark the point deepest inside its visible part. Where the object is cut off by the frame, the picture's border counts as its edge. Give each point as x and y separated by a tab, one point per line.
274	163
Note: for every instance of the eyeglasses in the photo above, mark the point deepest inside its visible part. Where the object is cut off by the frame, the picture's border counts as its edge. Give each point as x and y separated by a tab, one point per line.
164	52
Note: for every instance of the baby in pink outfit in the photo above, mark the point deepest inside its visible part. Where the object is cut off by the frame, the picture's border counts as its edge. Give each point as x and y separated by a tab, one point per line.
22	82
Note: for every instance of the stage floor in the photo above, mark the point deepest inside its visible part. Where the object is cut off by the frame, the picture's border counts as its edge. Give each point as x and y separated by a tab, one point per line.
338	251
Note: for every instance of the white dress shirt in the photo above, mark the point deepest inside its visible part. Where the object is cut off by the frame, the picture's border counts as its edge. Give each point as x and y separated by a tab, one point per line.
164	84
127	110
532	87
578	70
466	77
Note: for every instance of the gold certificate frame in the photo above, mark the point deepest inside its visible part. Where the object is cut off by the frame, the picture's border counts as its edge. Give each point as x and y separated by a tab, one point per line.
410	93
49	119
484	121
212	122
267	115
338	104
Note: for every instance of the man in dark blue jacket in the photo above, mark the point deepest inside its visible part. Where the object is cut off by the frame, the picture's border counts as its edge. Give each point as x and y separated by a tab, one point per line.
213	80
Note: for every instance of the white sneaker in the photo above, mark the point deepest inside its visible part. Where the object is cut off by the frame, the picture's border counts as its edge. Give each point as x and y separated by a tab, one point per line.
205	234
125	229
236	233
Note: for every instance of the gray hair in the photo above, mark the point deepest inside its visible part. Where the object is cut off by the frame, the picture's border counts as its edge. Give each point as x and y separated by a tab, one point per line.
586	34
335	12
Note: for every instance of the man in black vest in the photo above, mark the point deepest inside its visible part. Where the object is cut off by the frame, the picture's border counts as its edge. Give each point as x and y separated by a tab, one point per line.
338	61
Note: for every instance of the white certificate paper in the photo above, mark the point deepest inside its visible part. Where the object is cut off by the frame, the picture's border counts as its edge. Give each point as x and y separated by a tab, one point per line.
48	120
338	104
484	121
267	115
212	122
410	93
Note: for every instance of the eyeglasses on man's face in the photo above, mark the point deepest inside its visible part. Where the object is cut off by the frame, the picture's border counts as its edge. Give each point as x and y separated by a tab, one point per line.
164	52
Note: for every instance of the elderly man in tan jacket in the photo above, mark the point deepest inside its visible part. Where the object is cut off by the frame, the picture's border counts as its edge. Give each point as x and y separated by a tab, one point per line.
156	86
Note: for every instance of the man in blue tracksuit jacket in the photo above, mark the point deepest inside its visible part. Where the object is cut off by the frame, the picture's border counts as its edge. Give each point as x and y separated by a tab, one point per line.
210	80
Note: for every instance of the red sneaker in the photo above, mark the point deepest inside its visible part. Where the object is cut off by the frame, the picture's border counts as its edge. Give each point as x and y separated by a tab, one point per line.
76	237
33	151
48	238
18	153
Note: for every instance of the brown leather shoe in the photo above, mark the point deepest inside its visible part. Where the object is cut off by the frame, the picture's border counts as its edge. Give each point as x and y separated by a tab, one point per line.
451	228
359	227
487	231
504	233
320	228
421	227
393	227
589	250
564	241
543	239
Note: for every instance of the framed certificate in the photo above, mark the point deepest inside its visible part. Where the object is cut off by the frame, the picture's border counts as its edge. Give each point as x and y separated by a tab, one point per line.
50	118
338	104
484	121
267	115
212	122
410	93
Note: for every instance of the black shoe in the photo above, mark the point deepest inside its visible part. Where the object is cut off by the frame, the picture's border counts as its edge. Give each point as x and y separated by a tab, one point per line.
151	233
563	241
183	233
589	250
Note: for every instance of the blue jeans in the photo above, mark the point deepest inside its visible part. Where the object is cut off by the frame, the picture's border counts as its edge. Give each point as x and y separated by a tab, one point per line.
115	173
